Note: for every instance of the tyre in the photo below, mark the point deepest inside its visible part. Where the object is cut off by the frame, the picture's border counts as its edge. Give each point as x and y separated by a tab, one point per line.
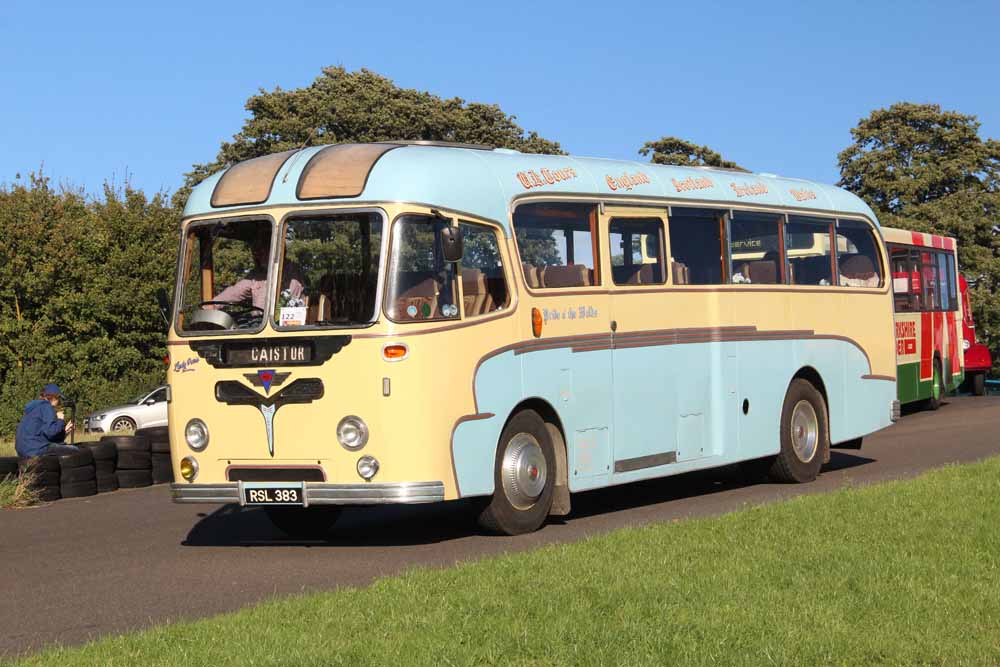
38	463
133	479
48	493
159	446
102	451
45	479
106	483
523	477
304	523
805	434
78	489
163	469
979	384
937	388
8	466
122	443
74	475
119	424
154	433
133	460
81	457
104	467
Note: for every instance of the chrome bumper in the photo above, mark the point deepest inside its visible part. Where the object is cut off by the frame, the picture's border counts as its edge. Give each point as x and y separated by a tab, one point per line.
319	494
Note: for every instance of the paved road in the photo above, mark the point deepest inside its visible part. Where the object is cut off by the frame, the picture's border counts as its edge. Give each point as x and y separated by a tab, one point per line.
78	569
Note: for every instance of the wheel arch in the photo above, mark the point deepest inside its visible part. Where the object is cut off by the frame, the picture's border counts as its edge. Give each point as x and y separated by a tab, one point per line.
812	376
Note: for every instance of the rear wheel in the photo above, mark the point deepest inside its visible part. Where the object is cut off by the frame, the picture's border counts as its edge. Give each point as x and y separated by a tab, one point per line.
937	388
979	384
523	477
304	523
805	434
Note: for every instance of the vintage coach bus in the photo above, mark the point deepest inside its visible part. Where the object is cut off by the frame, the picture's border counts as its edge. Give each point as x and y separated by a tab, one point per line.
928	315
404	323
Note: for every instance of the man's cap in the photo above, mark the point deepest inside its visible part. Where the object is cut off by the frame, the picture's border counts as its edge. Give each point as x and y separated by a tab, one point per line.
52	389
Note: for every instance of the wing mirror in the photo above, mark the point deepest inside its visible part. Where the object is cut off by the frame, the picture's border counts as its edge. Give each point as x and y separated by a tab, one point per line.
164	302
451	243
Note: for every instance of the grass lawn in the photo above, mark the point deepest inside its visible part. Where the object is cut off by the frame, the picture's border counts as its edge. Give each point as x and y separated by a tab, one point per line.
900	573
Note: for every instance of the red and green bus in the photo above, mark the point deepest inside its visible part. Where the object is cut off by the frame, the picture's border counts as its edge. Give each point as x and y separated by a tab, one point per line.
928	315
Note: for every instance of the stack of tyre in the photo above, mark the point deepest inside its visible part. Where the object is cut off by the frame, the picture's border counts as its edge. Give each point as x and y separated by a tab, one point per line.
8	467
134	464
105	461
159	449
62	476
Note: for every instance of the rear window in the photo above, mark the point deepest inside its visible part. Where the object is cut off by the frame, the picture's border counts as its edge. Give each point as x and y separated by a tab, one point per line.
858	259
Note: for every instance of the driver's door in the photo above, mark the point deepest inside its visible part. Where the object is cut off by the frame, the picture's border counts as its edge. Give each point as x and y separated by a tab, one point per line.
154	409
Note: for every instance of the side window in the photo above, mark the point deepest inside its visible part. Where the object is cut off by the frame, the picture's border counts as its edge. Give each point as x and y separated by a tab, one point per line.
696	247
636	247
422	284
952	280
807	244
947	300
755	248
905	295
558	245
158	396
484	288
857	255
929	279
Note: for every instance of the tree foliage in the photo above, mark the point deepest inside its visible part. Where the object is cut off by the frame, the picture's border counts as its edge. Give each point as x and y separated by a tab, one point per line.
78	278
671	150
928	170
342	106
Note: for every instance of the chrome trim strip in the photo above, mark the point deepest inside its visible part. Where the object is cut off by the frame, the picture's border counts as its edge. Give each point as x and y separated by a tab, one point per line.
320	494
650	461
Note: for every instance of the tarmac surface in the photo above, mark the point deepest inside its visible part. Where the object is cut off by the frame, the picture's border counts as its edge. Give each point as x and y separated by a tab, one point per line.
76	570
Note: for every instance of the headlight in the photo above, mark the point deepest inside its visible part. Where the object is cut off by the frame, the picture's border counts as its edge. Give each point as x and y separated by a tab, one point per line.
965	344
196	435
99	417
189	468
352	432
367	467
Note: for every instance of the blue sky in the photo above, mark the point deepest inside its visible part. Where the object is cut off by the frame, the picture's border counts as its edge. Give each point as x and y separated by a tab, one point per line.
106	89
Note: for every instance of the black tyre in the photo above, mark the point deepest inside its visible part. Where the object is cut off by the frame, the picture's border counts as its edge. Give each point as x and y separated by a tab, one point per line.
159	446
937	387
104	467
154	433
81	457
163	473
38	463
47	478
979	384
133	479
8	466
129	459
48	493
78	489
136	443
81	474
304	523
805	434
106	483
523	477
102	451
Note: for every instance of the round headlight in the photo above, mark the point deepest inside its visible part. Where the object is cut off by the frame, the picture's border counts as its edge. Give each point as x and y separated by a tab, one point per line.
966	344
367	467
196	435
352	432
189	468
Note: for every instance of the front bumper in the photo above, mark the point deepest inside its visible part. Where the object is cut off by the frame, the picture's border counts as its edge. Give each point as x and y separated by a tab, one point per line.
315	493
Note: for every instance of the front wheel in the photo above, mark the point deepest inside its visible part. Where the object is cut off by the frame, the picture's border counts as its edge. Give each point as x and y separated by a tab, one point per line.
304	523
979	384
122	424
523	477
805	434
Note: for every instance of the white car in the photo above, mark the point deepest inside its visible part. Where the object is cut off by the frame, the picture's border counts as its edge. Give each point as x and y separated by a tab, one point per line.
147	410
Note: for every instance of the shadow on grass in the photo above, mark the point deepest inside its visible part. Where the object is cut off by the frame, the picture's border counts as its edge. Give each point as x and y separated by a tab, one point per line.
409	525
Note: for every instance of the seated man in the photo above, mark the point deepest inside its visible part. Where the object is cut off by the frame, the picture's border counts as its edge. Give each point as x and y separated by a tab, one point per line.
253	288
42	429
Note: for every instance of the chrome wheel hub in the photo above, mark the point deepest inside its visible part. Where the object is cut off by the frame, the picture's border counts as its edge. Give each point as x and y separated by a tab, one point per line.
805	431
121	425
523	471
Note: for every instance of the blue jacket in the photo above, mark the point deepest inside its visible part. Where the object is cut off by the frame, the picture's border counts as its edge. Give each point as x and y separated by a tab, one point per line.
38	429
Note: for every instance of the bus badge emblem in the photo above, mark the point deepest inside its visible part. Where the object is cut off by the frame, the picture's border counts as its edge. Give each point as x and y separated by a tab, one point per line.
267	379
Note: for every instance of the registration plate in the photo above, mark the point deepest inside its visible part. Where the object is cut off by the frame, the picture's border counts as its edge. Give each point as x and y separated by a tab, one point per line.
263	493
278	354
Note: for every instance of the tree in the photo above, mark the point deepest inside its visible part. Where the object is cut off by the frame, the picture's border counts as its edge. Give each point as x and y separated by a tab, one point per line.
671	150
341	106
928	170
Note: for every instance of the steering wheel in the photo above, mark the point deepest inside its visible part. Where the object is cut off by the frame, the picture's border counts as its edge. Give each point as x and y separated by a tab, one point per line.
205	319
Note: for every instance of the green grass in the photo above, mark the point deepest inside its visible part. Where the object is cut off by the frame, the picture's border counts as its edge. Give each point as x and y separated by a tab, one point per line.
901	573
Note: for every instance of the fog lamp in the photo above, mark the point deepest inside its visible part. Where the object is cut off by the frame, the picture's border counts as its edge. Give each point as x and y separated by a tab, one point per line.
367	467
196	435
352	432
189	468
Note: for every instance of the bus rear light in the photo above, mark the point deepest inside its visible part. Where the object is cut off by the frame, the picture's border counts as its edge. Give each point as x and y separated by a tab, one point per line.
536	322
395	352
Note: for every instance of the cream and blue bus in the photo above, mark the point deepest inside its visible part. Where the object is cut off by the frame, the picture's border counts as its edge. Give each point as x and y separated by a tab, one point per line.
409	322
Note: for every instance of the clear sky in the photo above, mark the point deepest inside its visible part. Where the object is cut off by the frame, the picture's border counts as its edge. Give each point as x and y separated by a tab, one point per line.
99	90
